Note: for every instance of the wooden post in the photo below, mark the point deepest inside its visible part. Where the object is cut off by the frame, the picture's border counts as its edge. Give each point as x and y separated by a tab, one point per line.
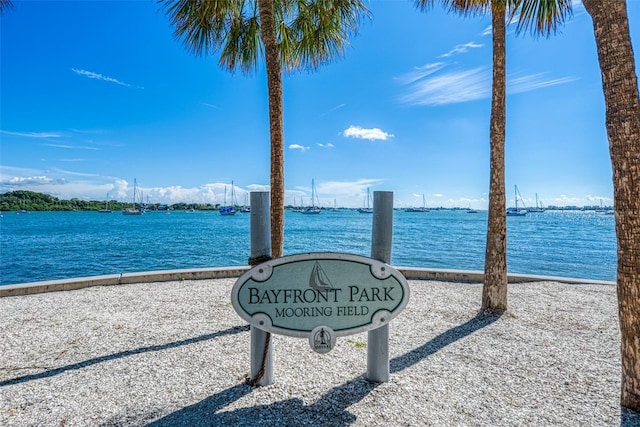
261	347
381	238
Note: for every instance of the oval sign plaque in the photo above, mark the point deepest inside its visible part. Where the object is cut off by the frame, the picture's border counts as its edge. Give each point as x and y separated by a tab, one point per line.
345	293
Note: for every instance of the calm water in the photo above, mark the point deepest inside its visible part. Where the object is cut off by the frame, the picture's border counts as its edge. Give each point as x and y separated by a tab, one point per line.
56	245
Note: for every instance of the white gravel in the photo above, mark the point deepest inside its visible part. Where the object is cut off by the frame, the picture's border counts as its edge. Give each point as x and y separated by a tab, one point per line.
176	353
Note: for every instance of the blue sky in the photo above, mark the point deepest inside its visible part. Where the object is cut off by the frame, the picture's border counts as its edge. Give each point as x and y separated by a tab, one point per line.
95	94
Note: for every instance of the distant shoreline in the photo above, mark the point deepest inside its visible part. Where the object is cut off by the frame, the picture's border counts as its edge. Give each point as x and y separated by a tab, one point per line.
14	201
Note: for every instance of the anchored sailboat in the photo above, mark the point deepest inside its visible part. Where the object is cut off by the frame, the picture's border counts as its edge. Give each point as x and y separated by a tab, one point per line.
228	210
367	209
106	206
314	208
516	211
133	210
424	207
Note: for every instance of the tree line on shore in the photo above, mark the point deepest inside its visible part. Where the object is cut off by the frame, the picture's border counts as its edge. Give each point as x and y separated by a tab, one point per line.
34	201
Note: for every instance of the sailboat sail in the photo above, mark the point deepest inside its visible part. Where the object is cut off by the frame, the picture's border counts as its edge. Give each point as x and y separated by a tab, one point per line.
367	209
314	208
318	279
228	210
134	210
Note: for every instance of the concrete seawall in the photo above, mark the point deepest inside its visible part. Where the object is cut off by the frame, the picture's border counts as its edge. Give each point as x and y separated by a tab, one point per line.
411	273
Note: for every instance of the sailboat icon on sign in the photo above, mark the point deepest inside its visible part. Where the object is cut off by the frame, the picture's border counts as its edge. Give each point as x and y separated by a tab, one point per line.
318	279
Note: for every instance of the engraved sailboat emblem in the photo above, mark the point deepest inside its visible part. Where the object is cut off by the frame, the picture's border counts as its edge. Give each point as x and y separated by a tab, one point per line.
318	279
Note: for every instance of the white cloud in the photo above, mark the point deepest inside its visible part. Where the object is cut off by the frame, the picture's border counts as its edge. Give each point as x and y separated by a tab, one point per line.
469	85
337	107
370	134
487	31
28	180
79	147
34	134
98	76
327	145
419	73
461	48
533	82
302	148
258	187
450	88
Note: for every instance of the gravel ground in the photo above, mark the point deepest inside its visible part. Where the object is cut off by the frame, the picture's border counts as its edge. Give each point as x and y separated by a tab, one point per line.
176	353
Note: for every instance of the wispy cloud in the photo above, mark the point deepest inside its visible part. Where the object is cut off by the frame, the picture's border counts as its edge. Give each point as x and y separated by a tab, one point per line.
73	147
98	76
33	134
337	107
487	31
419	73
210	105
533	82
450	88
461	48
370	134
302	148
469	85
327	145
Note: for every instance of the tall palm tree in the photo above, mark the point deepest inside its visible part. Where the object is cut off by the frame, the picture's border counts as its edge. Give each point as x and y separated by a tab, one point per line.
291	34
620	86
541	17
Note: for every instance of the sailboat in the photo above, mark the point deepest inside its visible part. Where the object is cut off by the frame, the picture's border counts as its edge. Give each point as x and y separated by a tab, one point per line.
314	208
367	209
538	207
318	279
422	209
246	208
228	210
133	210
516	211
106	206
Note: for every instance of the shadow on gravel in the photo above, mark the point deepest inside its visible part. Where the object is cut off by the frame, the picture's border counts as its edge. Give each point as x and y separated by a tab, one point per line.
629	418
84	364
328	410
444	339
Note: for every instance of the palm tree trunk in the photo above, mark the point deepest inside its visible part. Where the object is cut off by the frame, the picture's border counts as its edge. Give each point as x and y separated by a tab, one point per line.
274	82
620	86
494	291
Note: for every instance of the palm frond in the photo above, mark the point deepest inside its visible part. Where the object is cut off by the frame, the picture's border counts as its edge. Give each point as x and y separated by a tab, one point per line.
5	5
540	17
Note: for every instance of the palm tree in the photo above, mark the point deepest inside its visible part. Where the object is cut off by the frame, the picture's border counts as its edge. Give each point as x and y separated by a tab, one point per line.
620	86
292	35
541	17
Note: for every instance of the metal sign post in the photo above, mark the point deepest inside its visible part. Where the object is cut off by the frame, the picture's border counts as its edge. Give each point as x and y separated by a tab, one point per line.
381	237
261	347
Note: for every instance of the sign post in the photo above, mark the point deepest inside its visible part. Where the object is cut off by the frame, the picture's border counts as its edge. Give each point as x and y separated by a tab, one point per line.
261	348
381	238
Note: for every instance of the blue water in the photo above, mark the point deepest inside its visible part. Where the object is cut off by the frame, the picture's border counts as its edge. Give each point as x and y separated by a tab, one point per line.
56	245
